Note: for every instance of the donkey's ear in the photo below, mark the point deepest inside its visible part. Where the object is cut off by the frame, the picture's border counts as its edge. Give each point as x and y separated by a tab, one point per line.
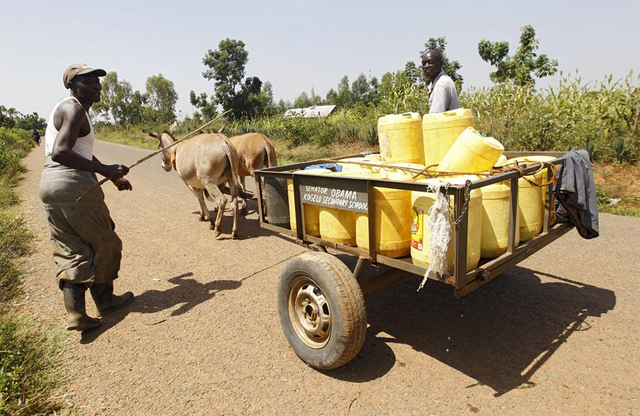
174	128
223	127
150	133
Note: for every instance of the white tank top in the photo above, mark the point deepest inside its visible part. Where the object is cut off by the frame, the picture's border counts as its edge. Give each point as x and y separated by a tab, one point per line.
84	144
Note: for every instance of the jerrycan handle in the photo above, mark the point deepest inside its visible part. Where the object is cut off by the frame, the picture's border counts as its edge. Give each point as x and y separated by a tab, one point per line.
450	113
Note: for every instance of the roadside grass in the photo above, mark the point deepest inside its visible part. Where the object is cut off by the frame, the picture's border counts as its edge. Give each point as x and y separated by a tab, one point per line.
131	137
32	355
14	245
618	188
31	376
287	154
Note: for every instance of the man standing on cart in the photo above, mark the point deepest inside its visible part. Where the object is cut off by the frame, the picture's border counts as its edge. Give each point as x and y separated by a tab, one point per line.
442	90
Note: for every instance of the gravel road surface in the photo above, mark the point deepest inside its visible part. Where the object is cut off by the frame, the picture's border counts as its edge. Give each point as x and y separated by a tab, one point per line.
556	335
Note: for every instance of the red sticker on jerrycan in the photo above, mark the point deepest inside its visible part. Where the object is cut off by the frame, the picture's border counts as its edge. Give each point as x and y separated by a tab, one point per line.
416	228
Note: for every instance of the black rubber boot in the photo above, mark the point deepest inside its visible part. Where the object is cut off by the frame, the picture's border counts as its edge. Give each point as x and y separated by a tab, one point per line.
106	301
77	318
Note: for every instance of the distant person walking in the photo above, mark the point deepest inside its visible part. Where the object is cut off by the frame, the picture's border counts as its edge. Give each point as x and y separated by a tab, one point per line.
36	137
86	249
442	90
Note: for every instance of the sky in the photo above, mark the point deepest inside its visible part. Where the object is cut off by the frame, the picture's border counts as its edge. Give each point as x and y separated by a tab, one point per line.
296	45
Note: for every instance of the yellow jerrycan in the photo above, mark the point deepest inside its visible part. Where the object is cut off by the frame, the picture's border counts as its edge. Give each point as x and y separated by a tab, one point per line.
392	216
471	152
407	172
338	225
311	212
530	203
400	138
544	179
502	160
357	170
495	220
440	131
374	157
420	232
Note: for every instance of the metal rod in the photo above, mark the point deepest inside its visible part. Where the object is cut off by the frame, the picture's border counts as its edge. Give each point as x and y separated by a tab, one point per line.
357	271
371	220
460	237
513	215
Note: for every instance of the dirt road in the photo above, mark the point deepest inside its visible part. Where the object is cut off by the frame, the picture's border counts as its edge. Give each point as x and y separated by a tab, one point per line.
556	335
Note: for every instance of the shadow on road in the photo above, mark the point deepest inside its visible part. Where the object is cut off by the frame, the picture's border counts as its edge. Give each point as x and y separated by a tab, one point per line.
187	292
499	335
248	225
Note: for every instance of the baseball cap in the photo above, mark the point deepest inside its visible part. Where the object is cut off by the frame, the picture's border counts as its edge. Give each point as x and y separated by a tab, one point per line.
80	69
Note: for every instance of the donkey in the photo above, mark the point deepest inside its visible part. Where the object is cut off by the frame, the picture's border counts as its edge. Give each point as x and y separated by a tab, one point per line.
204	162
255	151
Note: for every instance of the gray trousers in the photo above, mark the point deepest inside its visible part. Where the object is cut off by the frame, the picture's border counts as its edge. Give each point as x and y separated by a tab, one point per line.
86	248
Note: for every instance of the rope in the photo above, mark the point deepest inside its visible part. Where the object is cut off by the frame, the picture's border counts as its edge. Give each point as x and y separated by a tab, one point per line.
439	234
520	166
426	172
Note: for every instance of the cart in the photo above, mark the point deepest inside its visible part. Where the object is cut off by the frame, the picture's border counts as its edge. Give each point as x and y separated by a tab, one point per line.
321	301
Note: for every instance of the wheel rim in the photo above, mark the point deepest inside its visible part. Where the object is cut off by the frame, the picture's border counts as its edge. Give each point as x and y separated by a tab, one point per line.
309	312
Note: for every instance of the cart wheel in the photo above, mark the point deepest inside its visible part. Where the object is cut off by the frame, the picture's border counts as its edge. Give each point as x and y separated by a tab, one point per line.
321	310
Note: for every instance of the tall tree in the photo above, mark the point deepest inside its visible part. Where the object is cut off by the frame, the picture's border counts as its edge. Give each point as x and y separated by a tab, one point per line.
227	68
118	102
207	107
103	107
360	90
162	98
8	116
138	102
449	67
270	107
345	97
283	106
374	92
31	121
521	67
386	84
413	73
331	97
302	100
248	102
122	107
315	98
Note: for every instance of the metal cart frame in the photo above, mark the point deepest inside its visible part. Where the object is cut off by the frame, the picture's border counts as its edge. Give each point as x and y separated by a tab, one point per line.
463	282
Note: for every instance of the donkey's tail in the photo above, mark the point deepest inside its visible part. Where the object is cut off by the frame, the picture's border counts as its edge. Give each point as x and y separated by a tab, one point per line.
232	155
270	152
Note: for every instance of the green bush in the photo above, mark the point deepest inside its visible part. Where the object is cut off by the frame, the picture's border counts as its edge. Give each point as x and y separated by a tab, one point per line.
14	244
14	145
357	125
601	117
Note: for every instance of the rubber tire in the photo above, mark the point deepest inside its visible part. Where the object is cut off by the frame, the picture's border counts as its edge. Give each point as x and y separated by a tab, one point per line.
346	305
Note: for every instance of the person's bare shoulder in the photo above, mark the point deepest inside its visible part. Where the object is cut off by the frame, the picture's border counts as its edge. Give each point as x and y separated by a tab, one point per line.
69	111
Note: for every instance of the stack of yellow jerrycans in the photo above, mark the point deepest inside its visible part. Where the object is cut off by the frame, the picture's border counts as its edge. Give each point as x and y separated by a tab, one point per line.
446	143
